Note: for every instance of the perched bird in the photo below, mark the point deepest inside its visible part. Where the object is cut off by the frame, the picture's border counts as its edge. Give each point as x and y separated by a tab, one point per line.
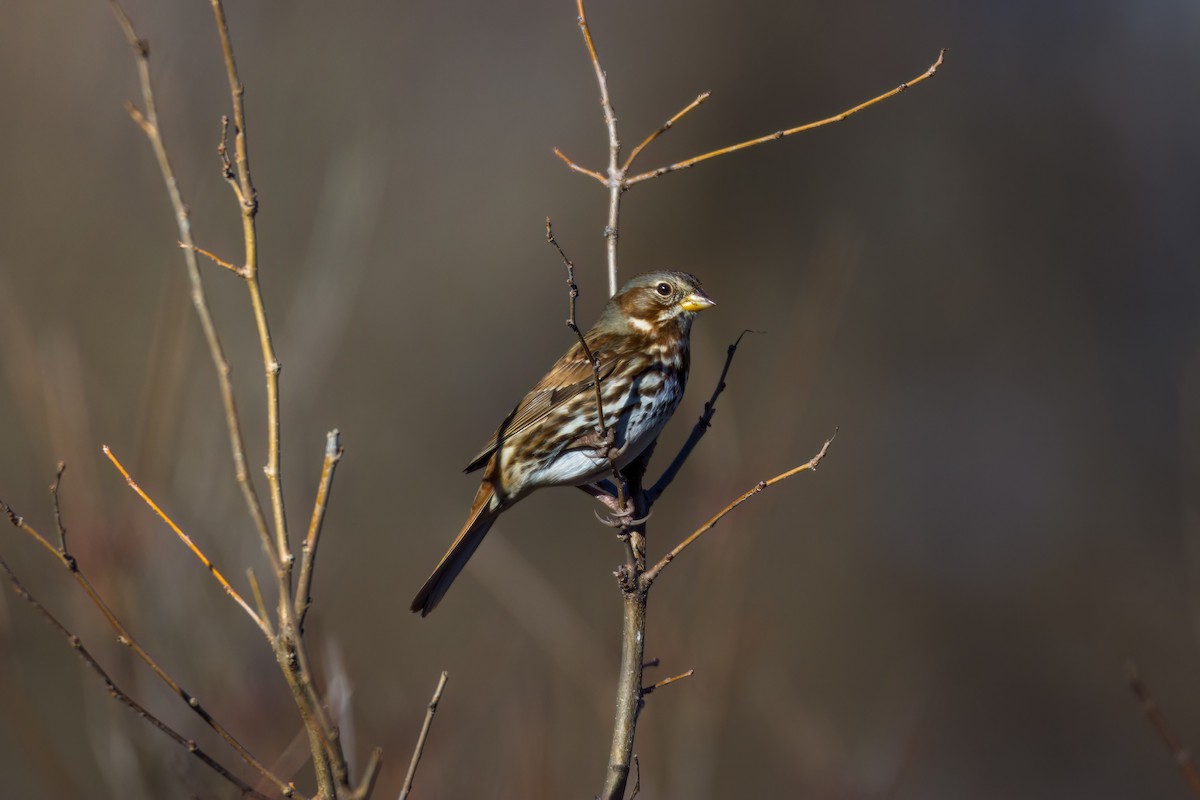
640	344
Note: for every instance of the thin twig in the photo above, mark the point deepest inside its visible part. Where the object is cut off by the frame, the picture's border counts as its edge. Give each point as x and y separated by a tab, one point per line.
58	523
701	427
126	638
1178	751
248	200
236	270
370	774
616	175
637	779
196	551
665	127
118	694
259	603
649	575
420	748
333	454
579	169
572	295
602	430
148	122
770	137
668	681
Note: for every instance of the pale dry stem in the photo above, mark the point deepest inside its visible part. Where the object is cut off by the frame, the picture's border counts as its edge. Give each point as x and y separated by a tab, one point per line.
308	558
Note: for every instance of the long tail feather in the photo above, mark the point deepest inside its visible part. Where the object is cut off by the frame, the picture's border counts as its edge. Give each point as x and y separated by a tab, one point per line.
478	524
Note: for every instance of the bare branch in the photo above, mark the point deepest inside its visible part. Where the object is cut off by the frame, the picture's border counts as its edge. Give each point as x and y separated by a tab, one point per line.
666	126
58	523
1178	751
770	137
420	748
579	169
216	573
248	200
148	122
605	436
370	775
220	262
668	681
649	575
333	454
126	638
118	694
702	426
616	175
259	603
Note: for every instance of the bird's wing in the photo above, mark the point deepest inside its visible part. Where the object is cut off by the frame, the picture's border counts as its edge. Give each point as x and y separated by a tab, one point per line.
572	374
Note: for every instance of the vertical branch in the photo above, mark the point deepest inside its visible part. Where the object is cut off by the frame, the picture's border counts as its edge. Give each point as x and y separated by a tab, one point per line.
634	594
248	200
148	121
616	174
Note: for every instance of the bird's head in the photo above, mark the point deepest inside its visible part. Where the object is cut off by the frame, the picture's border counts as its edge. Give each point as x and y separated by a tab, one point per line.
655	300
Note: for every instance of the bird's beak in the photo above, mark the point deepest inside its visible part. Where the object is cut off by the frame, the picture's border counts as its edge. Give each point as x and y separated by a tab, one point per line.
696	301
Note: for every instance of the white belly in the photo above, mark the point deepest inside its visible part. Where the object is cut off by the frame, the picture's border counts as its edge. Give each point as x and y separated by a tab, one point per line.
640	414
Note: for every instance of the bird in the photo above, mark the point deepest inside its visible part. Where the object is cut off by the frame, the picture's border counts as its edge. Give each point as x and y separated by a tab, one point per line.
640	350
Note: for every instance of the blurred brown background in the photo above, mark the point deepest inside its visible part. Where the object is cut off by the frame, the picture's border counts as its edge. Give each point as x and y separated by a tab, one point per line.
989	283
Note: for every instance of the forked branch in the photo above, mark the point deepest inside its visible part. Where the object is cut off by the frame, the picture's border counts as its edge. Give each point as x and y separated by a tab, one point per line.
126	638
771	137
147	120
121	696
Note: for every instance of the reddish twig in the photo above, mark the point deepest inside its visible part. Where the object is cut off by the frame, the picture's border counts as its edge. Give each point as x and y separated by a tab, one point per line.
1154	714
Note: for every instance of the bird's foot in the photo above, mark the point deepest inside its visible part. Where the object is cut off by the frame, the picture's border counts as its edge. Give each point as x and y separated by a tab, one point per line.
622	514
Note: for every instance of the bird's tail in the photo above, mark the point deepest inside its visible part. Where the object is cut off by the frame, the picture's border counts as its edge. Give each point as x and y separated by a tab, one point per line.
483	513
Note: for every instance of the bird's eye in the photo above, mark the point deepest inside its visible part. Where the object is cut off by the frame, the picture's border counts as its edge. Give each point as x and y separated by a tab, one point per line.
663	288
